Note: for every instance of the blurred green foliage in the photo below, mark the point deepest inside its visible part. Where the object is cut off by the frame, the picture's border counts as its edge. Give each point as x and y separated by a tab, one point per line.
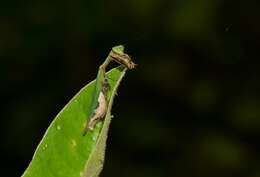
196	87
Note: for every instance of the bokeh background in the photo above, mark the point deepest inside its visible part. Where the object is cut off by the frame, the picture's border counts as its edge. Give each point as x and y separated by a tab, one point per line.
190	109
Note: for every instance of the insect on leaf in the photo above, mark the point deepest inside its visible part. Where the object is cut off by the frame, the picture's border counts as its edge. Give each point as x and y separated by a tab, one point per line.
63	151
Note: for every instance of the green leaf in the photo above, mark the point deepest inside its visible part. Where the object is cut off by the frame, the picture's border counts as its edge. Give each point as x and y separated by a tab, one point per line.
63	151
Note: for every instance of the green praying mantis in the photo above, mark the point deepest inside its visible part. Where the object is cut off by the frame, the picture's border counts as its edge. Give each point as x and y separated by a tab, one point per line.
100	96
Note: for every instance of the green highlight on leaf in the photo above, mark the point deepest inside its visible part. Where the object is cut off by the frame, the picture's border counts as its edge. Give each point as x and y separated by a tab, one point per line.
63	151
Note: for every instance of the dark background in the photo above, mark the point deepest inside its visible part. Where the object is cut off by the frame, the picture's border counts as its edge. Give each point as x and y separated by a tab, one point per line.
190	109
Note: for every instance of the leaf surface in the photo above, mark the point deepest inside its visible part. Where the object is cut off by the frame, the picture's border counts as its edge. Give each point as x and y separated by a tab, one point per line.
63	151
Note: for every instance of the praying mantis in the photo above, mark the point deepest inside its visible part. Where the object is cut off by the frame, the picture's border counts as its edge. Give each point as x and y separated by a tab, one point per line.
100	96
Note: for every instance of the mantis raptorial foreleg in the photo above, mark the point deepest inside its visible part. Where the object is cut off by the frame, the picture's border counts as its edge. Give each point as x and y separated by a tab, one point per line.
100	96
